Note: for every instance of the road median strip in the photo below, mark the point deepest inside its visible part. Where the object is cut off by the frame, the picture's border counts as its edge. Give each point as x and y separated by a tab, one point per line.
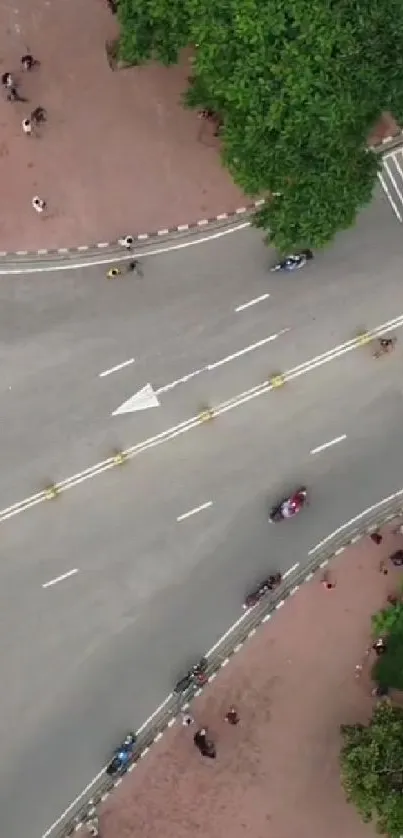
193	422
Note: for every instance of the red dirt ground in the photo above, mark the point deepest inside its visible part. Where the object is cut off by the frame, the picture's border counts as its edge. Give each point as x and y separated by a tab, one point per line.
276	773
119	154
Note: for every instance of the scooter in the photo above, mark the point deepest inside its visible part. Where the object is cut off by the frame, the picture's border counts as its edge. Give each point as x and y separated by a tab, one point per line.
294	262
269	584
122	757
196	675
290	506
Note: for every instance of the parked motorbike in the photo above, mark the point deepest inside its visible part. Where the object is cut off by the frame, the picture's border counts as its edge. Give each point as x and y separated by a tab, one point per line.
196	675
290	506
269	584
122	756
293	262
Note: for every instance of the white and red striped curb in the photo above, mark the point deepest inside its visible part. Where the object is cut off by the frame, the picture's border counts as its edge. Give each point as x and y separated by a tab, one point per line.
140	238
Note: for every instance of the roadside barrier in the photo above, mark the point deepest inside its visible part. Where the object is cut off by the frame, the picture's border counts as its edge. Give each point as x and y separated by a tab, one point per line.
231	642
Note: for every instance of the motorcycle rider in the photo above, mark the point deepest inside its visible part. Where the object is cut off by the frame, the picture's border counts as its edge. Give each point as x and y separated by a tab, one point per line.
296	260
289	508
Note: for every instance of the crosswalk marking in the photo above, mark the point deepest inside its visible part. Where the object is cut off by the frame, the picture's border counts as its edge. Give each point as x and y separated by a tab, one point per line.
391	179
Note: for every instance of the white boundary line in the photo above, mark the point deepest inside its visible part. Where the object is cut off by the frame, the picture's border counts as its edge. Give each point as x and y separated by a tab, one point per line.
354	521
113	259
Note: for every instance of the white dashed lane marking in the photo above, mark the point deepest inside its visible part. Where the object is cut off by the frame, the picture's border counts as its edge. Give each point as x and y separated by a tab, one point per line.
329	444
60	578
253	302
194	511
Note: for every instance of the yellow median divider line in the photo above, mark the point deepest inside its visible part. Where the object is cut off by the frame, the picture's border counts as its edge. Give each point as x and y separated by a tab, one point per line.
51	491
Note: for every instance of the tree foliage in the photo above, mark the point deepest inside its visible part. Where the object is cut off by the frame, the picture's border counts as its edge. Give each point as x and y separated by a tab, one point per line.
298	87
388	668
371	763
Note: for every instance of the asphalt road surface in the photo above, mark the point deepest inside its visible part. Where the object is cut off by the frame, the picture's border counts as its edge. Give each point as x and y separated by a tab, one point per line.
144	588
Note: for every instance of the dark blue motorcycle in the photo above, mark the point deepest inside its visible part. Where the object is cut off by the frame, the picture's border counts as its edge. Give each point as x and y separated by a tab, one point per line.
122	756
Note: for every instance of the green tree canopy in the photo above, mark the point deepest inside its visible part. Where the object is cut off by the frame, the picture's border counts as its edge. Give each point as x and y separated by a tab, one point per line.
298	87
371	762
388	623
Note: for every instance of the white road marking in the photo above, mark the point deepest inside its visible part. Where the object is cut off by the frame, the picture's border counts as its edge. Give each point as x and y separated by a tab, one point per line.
71	266
246	350
142	400
328	444
195	421
252	302
118	367
194	511
209	367
395	496
60	578
290	570
227	633
389	196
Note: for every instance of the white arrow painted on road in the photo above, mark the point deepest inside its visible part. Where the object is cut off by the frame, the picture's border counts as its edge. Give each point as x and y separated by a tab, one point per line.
141	400
148	397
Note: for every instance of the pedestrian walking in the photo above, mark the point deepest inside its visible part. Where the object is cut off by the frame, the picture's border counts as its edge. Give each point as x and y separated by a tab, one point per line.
383	568
232	716
187	719
38	204
127	242
328	584
204	745
28	62
379	646
7	80
376	537
13	94
38	115
26	126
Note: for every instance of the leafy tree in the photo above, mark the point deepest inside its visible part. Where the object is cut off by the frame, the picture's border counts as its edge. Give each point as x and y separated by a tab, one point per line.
388	622
388	619
298	87
371	763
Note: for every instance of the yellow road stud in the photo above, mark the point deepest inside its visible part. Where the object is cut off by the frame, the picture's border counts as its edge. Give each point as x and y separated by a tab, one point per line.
119	458
363	338
277	380
51	492
206	414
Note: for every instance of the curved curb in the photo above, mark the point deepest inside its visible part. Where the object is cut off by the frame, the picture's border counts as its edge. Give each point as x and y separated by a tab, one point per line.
20	261
231	643
87	255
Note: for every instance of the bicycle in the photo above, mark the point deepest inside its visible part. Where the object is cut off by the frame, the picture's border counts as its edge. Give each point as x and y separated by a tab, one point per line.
132	267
